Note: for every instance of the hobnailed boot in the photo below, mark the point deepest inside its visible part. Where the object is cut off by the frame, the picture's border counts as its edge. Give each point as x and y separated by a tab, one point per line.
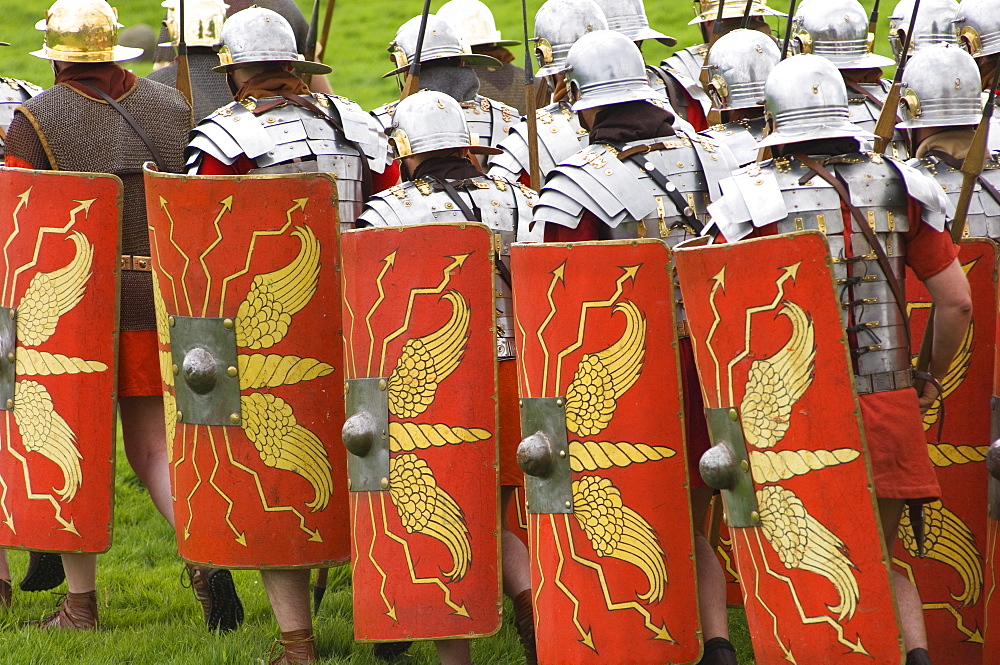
718	651
918	657
220	604
524	621
78	611
6	594
299	647
45	571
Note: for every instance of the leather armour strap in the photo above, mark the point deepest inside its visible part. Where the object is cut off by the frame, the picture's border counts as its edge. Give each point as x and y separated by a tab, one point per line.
956	164
635	155
133	123
880	256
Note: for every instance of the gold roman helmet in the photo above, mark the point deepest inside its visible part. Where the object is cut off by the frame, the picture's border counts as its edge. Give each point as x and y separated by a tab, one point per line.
82	31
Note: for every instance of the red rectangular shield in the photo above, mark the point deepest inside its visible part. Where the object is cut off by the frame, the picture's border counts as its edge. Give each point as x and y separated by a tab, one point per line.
613	568
58	337
419	320
248	311
770	350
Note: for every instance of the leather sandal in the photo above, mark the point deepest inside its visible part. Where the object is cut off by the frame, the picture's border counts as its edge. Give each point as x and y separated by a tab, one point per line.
220	604
524	622
6	593
718	651
298	647
77	611
45	571
390	650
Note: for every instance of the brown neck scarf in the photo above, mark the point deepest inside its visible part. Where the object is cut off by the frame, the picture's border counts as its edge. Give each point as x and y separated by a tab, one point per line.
272	83
108	77
631	121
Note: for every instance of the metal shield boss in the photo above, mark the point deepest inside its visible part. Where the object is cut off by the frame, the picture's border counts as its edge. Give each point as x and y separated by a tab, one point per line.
609	521
248	315
788	451
950	576
421	387
58	327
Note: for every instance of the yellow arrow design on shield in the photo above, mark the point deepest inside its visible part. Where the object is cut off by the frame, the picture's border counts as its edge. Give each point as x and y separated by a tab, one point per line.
719	282
227	206
390	609
388	262
558	275
586	636
22	203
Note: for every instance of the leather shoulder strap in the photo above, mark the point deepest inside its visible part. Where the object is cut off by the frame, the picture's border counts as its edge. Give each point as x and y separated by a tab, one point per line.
133	123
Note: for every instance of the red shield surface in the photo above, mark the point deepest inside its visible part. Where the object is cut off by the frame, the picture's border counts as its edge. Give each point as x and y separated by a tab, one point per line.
419	311
991	601
256	256
60	273
950	577
613	574
515	516
769	347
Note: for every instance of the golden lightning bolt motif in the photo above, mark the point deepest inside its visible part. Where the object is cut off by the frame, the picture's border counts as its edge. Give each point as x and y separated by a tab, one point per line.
240	536
390	609
586	636
387	263
718	282
558	275
22	202
227	206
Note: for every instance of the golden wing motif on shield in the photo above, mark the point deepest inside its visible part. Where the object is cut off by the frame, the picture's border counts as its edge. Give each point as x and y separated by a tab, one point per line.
617	531
603	377
954	377
44	431
774	384
51	294
948	540
803	543
423	506
266	313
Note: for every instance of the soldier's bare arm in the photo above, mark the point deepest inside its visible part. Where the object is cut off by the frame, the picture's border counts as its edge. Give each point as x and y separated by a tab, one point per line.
950	293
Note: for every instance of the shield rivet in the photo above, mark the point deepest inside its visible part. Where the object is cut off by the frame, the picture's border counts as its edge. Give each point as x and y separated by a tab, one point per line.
381	384
348	483
568	504
10	404
234	418
228	324
744	465
171	321
200	370
559	402
755	517
231	371
10	313
180	416
384	483
175	369
732	415
10	356
562	453
347	387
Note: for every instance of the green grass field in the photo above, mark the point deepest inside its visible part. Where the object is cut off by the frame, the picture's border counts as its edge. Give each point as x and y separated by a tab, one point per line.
148	617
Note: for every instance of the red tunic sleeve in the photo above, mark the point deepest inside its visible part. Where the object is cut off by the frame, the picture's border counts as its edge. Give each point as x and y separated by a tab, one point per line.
212	166
16	162
696	114
386	179
928	251
589	228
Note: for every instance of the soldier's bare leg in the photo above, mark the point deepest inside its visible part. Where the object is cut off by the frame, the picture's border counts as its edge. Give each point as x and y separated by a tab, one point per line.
146	448
288	592
711	585
517	581
454	652
6	593
911	613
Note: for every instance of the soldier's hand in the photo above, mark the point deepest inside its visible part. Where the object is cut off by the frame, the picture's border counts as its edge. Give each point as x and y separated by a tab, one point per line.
928	396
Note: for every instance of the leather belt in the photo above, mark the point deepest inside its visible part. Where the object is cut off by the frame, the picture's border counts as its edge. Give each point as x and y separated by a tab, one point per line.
133	262
883	381
682	329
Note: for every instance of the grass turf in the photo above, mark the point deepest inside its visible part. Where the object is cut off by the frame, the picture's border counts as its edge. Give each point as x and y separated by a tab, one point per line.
147	616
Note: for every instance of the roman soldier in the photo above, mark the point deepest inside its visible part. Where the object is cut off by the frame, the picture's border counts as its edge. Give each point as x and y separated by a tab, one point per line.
473	22
447	66
558	24
935	24
203	21
100	118
640	178
684	92
333	134
275	126
738	64
871	237
838	31
691	60
978	28
442	183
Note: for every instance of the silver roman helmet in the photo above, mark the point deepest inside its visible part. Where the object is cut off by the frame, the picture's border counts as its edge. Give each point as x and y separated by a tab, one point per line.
427	121
838	31
708	10
82	31
606	67
935	24
805	98
203	21
257	36
473	22
629	18
941	88
978	26
440	42
738	65
558	24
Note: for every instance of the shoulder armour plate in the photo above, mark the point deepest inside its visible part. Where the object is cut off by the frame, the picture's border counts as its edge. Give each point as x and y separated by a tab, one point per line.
741	137
658	77
688	61
12	93
983	218
489	121
559	136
